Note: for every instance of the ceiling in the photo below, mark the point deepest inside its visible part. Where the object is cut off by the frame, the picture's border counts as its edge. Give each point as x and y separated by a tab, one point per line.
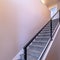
50	2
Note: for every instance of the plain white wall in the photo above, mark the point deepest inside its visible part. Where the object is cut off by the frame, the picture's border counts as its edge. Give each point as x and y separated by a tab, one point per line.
8	30
20	20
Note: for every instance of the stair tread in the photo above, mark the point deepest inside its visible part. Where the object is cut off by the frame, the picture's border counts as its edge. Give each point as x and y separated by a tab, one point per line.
34	51
42	38
39	43
45	32
34	54
44	35
36	45
30	57
36	48
22	57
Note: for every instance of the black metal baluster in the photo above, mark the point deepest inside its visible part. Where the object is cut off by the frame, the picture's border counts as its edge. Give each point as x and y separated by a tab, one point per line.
25	53
51	29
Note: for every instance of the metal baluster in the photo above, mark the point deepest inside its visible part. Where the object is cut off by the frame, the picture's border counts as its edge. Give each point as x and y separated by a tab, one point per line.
25	53
51	29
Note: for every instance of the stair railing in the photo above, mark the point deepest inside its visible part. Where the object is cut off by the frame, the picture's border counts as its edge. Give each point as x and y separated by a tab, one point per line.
25	47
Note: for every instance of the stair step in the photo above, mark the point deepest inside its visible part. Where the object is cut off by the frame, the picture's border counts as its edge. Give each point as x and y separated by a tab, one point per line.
31	57
22	57
44	32
42	46
47	28
36	48
33	50
43	36
39	43
34	54
42	39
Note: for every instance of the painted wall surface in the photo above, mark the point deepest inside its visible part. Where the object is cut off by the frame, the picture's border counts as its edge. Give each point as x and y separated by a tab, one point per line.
54	53
58	4
8	30
20	20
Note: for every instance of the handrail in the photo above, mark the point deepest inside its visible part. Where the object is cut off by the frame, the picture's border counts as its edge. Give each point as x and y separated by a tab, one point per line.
25	47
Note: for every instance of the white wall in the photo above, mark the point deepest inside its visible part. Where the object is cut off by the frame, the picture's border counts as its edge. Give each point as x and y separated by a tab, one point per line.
20	20
8	30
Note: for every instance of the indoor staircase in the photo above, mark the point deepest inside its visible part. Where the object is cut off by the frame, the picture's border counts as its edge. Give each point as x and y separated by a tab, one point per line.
36	47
